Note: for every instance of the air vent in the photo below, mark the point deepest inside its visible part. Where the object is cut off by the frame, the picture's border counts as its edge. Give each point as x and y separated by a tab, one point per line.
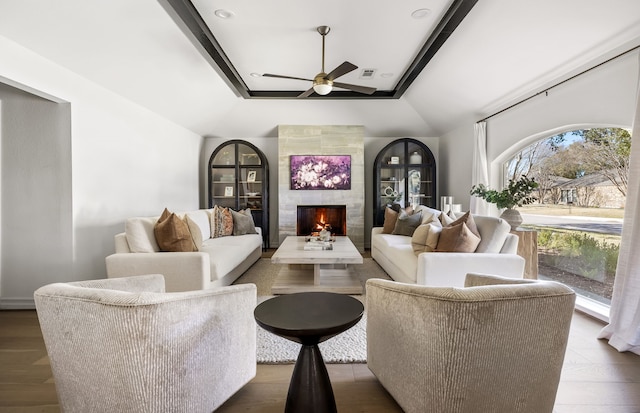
367	73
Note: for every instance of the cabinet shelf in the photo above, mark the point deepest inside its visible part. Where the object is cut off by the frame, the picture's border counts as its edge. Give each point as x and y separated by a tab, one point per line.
403	183
237	168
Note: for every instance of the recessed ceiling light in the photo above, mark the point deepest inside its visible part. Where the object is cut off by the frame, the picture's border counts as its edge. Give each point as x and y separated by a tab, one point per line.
254	74
420	13
223	14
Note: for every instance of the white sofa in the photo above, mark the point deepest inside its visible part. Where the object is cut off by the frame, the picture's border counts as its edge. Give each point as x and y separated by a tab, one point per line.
496	254
219	261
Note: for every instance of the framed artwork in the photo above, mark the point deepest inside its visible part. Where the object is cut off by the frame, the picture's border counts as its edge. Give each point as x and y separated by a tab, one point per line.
228	191
251	176
320	172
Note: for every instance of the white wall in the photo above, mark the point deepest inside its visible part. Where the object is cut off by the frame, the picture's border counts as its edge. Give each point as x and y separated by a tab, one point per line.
604	96
125	161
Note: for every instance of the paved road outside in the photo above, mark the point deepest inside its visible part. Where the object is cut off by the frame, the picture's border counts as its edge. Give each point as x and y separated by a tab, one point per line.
599	225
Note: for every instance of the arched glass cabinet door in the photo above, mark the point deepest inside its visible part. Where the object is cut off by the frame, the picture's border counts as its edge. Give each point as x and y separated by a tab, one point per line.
405	174
239	179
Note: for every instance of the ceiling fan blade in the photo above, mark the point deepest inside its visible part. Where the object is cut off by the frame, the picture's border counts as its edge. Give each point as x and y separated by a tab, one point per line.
306	94
360	89
343	69
286	77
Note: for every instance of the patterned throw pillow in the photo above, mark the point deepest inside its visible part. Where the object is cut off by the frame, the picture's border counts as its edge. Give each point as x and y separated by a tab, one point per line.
221	222
172	233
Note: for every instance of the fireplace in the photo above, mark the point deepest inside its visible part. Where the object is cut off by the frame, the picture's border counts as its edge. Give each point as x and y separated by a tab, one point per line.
312	218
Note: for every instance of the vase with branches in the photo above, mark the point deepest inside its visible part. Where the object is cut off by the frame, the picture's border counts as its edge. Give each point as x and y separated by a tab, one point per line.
517	193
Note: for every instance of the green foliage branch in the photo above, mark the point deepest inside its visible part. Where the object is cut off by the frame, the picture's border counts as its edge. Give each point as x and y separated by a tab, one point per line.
517	193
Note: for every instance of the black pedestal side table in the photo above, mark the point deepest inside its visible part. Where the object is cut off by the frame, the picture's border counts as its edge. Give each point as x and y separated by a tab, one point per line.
309	319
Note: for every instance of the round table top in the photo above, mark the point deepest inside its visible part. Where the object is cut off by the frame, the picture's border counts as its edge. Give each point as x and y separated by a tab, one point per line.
309	318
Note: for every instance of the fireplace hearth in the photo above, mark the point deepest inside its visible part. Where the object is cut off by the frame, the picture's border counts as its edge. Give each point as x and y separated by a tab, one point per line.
312	218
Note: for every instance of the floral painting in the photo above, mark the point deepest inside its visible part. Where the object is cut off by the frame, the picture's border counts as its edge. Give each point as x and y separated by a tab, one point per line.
320	172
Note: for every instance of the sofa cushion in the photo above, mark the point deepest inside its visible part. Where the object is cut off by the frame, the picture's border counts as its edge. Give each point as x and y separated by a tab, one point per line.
172	233
227	253
406	223
243	222
457	238
140	235
221	222
493	233
425	237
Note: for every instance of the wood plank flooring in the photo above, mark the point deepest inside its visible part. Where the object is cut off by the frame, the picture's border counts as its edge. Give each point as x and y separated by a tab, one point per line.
595	378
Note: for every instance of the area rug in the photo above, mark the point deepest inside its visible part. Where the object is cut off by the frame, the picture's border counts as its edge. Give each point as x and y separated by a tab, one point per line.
347	347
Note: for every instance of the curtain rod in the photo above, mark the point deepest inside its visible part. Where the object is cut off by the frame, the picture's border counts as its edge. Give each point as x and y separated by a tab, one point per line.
559	83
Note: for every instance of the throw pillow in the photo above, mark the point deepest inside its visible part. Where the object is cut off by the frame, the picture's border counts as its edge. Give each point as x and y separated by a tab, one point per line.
221	222
425	237
406	224
446	220
172	233
196	233
390	218
467	218
457	238
243	224
140	234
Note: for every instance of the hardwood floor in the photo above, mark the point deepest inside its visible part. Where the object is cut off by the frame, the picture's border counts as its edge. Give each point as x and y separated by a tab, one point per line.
595	378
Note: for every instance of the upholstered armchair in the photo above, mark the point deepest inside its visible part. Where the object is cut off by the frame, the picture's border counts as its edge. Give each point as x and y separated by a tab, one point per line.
496	345
124	345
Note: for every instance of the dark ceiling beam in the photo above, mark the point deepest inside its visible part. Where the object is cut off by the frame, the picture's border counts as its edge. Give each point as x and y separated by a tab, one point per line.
445	28
189	16
192	21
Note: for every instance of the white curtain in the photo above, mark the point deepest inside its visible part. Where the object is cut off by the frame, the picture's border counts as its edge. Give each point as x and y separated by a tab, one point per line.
623	331
480	171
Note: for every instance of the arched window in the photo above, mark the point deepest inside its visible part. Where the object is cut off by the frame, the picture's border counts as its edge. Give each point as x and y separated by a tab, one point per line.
582	176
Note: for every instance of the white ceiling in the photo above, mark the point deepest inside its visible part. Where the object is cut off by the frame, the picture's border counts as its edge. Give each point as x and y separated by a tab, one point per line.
502	51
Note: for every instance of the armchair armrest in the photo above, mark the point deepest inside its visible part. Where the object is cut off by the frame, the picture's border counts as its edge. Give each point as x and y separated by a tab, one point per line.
183	271
448	269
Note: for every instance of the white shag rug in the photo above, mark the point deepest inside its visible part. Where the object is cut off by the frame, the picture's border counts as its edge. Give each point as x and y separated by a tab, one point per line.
347	347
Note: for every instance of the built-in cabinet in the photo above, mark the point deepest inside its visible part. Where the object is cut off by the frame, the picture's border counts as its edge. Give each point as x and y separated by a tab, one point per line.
405	173
239	179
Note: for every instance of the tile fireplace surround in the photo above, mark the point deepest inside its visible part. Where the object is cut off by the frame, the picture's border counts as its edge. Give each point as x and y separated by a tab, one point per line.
321	140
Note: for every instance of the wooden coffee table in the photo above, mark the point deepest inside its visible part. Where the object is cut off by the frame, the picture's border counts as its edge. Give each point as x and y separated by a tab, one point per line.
326	270
309	319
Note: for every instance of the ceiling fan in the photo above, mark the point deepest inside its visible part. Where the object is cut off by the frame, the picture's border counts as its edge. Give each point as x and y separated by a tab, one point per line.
323	83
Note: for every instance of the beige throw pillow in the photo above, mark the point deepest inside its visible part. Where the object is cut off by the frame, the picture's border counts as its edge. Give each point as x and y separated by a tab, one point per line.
457	238
196	233
172	233
425	237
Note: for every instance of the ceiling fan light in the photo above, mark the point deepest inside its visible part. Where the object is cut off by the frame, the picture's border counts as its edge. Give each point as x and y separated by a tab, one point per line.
322	89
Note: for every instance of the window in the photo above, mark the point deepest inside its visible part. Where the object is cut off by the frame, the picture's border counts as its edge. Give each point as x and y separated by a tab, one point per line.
582	178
